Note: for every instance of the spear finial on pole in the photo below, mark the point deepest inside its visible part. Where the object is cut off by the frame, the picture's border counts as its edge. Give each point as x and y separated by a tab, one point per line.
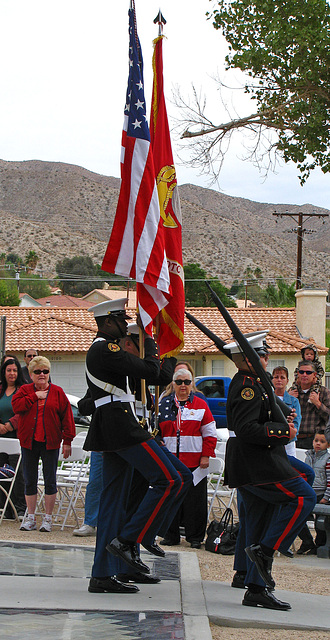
160	20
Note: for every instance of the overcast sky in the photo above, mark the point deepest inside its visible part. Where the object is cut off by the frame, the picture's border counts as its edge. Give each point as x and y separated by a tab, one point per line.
64	69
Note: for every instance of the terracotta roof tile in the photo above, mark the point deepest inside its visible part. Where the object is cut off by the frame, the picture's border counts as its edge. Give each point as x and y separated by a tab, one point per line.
73	329
64	301
283	334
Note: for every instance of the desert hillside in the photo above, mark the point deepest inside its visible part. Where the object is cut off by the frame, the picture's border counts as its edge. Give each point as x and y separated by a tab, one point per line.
61	210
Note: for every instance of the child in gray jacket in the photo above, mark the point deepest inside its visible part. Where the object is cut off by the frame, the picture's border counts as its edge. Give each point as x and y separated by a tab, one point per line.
319	459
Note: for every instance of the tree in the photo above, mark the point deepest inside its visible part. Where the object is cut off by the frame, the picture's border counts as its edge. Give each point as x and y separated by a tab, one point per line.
31	260
9	296
34	285
78	275
14	259
196	292
284	47
281	295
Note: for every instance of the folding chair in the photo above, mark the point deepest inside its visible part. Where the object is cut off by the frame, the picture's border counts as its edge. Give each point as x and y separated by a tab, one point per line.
71	479
10	446
220	497
216	468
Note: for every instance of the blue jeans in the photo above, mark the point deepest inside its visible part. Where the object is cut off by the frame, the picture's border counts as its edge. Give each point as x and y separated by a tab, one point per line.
94	489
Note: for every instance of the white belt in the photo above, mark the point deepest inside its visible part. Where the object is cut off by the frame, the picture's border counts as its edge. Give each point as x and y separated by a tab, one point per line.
105	386
126	397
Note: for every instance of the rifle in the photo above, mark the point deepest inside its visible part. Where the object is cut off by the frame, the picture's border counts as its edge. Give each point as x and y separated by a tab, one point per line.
251	354
217	341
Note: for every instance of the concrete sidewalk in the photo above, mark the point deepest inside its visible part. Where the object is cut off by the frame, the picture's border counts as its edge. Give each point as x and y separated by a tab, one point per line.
44	588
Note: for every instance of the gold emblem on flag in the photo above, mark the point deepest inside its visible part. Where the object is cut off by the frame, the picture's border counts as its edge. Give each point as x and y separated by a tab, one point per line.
166	183
247	394
113	347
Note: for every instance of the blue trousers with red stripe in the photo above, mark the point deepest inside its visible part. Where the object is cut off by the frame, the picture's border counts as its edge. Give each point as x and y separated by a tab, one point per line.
167	487
274	515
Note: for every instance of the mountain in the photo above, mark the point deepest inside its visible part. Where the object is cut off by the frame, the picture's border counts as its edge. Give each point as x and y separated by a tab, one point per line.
61	210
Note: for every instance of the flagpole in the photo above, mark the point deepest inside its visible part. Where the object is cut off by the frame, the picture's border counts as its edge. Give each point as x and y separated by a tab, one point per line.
160	20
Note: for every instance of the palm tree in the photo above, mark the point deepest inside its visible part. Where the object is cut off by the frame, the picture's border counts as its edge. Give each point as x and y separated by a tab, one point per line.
31	260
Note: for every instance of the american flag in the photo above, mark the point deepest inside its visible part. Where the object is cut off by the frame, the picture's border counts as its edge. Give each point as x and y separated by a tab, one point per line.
136	246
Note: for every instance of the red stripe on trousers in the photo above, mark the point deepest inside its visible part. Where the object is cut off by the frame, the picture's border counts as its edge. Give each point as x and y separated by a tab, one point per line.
294	517
166	493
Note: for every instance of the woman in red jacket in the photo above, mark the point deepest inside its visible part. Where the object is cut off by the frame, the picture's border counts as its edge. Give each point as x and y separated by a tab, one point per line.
189	432
45	420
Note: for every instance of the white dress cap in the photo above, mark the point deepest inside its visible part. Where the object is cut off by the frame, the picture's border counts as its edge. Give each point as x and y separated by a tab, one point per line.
110	307
256	340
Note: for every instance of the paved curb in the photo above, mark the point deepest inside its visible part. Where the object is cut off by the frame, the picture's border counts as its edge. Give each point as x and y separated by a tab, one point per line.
224	607
193	603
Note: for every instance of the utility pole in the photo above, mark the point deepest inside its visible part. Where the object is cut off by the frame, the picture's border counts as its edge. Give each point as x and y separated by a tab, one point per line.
300	231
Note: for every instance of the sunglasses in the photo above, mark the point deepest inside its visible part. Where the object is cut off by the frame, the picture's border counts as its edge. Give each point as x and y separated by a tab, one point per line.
39	371
186	382
33	355
308	373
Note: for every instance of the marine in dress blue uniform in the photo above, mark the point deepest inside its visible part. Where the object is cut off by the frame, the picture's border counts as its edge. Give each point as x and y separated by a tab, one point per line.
116	431
276	500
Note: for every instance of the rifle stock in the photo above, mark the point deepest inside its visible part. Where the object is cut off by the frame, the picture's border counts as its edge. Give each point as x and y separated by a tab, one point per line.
251	354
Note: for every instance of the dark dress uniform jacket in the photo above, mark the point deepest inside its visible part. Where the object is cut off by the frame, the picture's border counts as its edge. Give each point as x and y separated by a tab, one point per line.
257	455
114	425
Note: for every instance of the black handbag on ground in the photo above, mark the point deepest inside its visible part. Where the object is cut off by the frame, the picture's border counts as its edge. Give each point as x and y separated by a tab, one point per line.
222	536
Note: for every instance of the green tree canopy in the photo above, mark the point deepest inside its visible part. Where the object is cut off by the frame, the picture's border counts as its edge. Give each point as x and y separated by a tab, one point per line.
9	296
34	285
196	292
31	260
280	295
78	275
284	46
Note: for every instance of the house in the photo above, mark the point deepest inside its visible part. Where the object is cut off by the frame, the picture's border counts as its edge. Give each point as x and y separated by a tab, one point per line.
65	335
101	295
25	300
60	300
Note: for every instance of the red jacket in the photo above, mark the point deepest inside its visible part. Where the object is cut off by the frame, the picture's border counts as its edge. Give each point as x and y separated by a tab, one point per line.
57	416
197	437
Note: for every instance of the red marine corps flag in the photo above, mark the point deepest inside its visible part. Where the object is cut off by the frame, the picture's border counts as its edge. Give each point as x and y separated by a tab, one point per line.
170	336
136	246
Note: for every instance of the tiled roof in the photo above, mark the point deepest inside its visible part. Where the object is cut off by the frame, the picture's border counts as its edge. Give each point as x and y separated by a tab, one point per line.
64	301
73	329
49	329
283	334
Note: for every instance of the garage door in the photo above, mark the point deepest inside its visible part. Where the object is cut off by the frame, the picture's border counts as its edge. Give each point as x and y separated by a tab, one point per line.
70	376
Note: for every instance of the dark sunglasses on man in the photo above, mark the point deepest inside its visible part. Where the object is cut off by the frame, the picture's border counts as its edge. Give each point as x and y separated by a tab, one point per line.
308	373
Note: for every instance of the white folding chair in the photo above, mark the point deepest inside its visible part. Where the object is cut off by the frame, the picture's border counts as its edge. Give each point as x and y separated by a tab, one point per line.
220	497
71	479
10	446
214	477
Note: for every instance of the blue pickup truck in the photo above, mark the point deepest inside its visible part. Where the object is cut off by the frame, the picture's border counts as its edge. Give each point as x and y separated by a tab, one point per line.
215	390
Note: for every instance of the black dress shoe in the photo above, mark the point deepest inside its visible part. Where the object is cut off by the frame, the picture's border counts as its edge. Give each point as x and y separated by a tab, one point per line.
195	545
238	580
287	554
155	549
263	563
139	578
110	585
305	546
167	542
264	599
128	553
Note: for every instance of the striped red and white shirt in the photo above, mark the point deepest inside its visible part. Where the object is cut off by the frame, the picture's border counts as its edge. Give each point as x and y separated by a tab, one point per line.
188	431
